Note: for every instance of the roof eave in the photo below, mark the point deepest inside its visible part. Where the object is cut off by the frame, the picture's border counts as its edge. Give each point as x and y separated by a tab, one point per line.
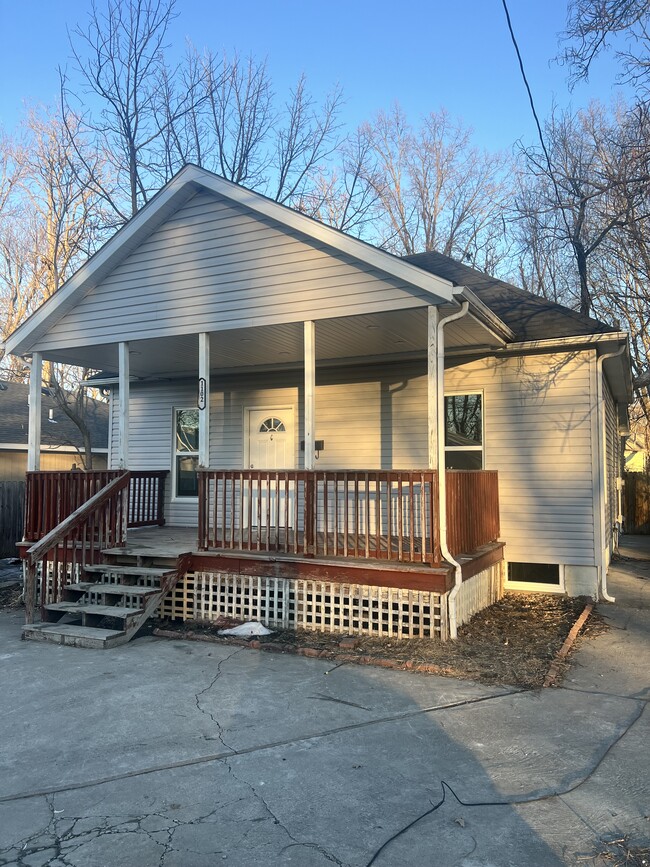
502	332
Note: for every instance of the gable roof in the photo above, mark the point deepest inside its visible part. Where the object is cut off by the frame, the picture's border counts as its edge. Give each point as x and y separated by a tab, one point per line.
530	317
14	420
179	190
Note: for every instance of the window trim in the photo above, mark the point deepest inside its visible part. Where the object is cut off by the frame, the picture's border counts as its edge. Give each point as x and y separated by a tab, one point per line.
480	448
531	586
175	496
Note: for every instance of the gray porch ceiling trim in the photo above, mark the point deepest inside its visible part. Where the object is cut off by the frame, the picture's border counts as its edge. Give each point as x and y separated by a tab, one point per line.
175	193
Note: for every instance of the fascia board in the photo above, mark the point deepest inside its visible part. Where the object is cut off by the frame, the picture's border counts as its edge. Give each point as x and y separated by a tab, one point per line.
563	343
176	193
502	332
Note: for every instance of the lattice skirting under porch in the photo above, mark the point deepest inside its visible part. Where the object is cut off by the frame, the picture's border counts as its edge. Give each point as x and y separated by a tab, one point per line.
287	603
478	592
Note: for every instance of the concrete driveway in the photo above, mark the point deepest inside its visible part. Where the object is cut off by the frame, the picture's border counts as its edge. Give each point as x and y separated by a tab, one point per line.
180	753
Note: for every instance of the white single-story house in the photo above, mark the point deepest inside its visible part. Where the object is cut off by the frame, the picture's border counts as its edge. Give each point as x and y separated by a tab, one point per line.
371	433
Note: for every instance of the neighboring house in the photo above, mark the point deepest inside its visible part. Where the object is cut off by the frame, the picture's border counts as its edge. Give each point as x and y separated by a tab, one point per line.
61	442
636	455
283	373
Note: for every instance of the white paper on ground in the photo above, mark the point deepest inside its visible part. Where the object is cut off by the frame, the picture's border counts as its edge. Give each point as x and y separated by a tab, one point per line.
251	628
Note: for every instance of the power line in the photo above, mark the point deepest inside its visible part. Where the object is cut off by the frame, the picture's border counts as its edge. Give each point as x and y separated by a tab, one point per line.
537	123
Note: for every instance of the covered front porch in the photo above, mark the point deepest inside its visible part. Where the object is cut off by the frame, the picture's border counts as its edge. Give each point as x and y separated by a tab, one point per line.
335	551
251	444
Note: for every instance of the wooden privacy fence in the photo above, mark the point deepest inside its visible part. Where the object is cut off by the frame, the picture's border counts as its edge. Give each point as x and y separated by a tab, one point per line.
637	503
362	514
12	508
76	542
51	496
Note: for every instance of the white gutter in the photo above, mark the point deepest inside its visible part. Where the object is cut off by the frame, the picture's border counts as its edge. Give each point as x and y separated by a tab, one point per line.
602	457
442	476
564	342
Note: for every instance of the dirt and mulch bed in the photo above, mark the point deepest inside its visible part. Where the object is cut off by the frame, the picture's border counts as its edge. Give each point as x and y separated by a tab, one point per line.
512	642
620	853
11	596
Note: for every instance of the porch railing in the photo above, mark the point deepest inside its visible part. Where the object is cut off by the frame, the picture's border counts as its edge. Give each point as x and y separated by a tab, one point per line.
77	541
472	509
50	496
372	514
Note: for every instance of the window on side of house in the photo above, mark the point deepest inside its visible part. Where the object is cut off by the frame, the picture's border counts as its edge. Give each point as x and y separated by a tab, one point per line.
186	452
534	573
464	431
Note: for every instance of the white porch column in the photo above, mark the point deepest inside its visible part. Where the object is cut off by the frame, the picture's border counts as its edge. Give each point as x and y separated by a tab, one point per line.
34	430
310	393
433	317
203	400
123	368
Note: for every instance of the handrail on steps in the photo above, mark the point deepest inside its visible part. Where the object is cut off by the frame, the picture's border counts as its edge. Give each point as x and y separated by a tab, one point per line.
52	539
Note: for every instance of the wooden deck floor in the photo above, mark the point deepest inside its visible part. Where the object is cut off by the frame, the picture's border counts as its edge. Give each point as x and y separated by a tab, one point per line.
170	542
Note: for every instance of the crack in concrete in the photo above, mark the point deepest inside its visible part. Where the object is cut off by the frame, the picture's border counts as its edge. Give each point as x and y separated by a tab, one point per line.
207	689
294	840
64	844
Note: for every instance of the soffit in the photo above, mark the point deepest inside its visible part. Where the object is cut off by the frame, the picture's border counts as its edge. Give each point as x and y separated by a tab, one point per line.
389	335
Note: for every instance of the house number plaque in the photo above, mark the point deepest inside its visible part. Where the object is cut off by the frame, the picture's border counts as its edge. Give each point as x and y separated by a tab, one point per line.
202	396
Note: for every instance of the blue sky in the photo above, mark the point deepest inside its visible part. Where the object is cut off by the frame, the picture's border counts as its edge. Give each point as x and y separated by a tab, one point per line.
425	55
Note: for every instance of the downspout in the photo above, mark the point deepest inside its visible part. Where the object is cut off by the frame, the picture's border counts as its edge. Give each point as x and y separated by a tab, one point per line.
442	477
602	457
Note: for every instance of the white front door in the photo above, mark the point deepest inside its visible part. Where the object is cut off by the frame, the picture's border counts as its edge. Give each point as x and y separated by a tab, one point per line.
271	446
271	441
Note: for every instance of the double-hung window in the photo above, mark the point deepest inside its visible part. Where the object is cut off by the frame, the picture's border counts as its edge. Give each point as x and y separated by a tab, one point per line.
186	445
464	431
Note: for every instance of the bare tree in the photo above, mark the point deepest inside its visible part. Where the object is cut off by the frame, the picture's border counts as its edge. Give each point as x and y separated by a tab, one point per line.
152	118
119	58
437	191
342	197
56	222
573	203
591	27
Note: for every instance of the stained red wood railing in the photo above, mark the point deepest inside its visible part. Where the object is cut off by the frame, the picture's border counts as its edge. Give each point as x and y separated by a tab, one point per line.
76	542
472	509
147	498
367	514
361	514
376	514
253	510
51	496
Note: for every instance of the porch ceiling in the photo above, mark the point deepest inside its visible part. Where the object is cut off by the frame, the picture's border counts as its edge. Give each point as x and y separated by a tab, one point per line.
390	335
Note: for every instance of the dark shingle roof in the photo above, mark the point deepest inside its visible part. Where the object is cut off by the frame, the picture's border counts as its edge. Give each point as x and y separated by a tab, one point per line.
529	316
14	419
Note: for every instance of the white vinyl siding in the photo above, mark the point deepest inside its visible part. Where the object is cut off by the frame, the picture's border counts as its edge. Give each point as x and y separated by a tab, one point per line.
215	266
537	426
537	416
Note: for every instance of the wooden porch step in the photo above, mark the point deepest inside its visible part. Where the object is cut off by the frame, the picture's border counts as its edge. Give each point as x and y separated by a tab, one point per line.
127	569
118	611
77	620
100	587
75	635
